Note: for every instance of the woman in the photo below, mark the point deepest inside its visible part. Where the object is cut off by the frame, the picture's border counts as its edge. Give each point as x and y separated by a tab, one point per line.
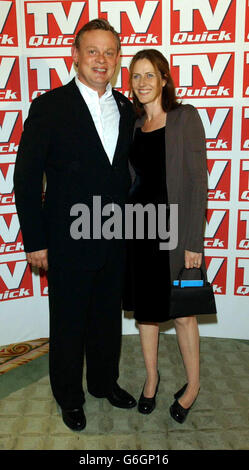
169	160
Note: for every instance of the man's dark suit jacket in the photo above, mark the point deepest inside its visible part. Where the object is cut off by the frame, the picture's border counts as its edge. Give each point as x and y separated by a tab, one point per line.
61	140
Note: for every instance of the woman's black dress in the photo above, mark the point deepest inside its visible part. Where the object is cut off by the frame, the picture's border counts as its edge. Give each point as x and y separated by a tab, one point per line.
147	285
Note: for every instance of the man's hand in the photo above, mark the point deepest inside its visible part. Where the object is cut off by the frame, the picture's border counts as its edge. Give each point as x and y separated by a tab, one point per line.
192	259
38	259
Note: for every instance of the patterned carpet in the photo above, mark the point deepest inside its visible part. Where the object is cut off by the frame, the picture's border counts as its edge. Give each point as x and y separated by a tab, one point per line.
14	355
219	419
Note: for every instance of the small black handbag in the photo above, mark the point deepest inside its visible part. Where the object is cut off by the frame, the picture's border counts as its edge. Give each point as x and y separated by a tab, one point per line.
187	299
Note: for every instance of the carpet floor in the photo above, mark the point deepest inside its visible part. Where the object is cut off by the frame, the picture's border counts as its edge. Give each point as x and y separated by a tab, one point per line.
14	355
219	419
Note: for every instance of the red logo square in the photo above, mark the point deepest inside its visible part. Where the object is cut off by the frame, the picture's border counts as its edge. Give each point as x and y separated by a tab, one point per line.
203	75
245	129
10	131
43	283
6	184
10	88
54	24
243	230
217	273
46	73
216	231
139	22
218	123
212	21
10	234
246	75
244	181
241	286
122	82
219	178
15	280
8	26
247	22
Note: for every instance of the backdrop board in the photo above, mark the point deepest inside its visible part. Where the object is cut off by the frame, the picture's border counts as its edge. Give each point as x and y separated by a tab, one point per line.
207	45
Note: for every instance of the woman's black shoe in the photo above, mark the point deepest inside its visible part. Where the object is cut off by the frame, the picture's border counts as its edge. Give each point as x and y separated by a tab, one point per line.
176	410
180	392
147	405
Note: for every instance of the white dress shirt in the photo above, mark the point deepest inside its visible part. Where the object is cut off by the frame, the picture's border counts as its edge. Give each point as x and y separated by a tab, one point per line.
105	115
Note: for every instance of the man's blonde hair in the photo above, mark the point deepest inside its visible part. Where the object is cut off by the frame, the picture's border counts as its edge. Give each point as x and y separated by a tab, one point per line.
98	23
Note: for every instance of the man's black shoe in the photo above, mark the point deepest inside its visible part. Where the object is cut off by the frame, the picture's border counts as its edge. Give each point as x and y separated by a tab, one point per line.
74	419
120	398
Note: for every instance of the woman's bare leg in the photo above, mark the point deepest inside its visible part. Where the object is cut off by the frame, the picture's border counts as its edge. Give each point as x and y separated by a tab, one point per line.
149	334
189	343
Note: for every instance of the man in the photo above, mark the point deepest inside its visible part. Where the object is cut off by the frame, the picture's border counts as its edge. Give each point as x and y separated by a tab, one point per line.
79	135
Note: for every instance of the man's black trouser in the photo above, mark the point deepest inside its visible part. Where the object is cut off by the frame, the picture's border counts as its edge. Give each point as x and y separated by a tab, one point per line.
85	317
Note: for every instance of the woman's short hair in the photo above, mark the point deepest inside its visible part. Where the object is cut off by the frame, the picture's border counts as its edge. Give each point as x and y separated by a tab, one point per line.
160	64
98	23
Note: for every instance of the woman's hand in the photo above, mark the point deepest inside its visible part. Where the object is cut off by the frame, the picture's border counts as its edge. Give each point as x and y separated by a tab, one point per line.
192	259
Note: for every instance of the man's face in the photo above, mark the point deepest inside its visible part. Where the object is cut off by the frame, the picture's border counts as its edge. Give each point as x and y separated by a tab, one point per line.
97	58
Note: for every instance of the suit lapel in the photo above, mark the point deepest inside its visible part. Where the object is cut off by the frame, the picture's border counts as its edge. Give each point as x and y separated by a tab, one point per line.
122	126
83	119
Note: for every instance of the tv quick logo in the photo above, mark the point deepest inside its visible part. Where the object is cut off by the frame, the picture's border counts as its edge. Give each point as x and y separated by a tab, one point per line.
202	21
217	273
244	181
243	230
216	231
6	183
241	276
54	24
217	123
121	81
245	129
219	176
138	22
15	280
8	27
43	283
10	234
247	22
246	75
10	131
9	79
46	73
202	75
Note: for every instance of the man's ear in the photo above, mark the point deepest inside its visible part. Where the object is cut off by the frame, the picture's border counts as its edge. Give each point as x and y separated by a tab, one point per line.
75	54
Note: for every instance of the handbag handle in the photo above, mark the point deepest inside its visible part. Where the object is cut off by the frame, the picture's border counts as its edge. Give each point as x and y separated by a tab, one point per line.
203	277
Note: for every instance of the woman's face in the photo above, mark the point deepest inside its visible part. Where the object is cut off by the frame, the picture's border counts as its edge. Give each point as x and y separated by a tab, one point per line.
147	83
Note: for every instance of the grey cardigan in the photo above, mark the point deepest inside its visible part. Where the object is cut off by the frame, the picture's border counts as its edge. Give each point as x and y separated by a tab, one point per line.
186	179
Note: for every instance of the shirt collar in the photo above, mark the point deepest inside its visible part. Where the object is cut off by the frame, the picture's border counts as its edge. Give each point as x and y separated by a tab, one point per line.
91	94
